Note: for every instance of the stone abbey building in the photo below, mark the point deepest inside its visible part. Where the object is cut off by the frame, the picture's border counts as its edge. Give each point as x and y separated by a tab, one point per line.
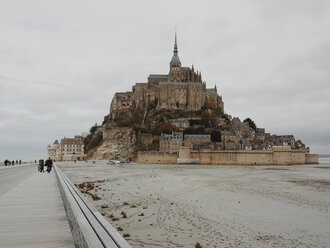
181	88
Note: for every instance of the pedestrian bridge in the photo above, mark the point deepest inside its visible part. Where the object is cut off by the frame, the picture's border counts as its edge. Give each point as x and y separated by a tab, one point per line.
47	210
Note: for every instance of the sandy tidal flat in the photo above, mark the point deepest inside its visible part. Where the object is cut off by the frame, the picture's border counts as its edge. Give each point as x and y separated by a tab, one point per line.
216	206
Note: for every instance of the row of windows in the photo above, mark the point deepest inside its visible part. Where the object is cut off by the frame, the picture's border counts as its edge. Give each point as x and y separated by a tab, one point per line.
78	150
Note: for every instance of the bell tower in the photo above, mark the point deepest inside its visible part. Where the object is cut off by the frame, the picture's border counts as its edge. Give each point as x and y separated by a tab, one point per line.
175	65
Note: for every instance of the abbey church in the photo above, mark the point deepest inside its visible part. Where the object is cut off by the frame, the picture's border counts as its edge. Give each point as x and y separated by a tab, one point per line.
181	88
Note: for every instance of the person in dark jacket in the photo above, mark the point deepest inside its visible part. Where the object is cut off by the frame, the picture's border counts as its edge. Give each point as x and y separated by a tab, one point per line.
49	164
42	165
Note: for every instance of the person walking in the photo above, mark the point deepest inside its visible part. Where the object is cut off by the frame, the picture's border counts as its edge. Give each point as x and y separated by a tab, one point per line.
39	166
42	165
49	164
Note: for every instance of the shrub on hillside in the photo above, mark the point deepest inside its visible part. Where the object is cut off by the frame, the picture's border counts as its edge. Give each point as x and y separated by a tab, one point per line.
163	127
92	141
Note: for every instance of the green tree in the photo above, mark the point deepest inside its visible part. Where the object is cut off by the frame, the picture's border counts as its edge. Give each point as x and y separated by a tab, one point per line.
227	117
106	118
251	123
163	127
93	128
206	118
92	141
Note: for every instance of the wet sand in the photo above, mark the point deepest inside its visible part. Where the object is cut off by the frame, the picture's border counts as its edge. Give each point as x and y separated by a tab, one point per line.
216	206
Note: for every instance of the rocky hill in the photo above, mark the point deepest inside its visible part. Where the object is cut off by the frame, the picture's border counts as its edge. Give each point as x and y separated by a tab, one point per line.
140	130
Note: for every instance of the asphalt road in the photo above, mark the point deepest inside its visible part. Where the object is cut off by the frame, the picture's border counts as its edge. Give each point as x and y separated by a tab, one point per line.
13	175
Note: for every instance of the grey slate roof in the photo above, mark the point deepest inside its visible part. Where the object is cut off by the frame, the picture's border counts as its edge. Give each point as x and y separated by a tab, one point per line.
211	90
197	136
180	83
158	76
178	120
175	58
286	136
176	136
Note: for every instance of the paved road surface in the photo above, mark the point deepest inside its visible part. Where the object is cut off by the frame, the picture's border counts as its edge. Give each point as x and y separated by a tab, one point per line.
31	210
10	176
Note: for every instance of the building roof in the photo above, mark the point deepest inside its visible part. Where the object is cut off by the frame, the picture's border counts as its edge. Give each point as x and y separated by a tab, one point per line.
158	76
56	142
172	136
175	58
285	136
180	83
197	136
77	141
211	91
179	120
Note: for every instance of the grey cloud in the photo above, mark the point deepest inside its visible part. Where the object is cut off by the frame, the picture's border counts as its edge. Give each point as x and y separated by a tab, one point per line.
61	62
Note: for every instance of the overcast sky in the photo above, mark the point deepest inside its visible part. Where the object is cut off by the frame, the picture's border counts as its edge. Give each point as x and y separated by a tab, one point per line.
62	61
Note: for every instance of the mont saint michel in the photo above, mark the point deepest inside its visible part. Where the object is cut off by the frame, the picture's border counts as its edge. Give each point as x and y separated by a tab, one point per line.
162	124
175	118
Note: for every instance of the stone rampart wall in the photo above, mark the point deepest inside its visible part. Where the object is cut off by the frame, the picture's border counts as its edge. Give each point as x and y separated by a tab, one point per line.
229	157
156	158
233	157
298	157
312	159
249	157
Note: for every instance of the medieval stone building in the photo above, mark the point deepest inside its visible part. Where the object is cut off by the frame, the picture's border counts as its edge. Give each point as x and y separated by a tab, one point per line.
69	149
181	88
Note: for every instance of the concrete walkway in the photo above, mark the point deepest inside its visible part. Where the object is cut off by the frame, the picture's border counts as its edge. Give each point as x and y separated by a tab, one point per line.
32	214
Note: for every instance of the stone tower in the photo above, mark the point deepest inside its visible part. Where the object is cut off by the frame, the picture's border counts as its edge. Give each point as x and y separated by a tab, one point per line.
175	74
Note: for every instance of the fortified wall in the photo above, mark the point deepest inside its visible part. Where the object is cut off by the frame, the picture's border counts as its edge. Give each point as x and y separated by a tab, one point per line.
280	155
154	157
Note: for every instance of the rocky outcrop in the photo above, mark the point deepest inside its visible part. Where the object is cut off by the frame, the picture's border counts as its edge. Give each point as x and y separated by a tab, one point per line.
116	141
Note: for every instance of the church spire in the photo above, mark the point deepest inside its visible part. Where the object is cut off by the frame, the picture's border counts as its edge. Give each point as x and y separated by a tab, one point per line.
175	45
175	57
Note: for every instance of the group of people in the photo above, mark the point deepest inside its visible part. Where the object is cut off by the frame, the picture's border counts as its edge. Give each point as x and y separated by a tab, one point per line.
7	162
42	164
